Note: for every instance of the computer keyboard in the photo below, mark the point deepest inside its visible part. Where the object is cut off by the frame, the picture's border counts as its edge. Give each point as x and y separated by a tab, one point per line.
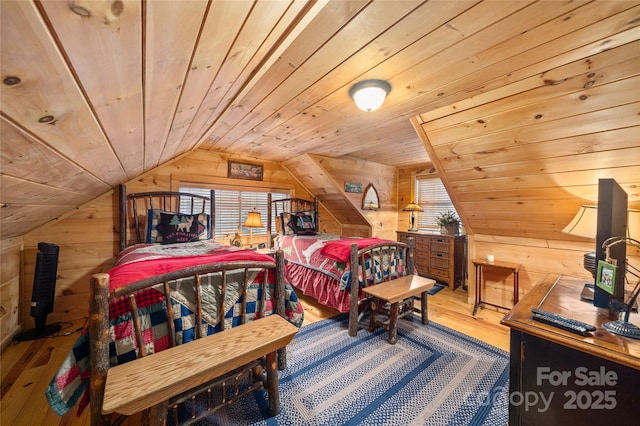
564	323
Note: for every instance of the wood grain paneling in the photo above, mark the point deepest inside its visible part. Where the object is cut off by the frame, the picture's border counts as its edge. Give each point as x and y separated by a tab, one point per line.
558	139
111	74
122	87
381	222
10	277
48	102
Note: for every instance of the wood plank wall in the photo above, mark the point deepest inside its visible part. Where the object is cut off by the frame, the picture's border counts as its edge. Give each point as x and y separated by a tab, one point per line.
538	257
520	161
10	274
326	177
88	236
383	178
347	219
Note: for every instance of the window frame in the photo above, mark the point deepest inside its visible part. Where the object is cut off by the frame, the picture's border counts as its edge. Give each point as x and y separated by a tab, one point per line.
426	219
221	231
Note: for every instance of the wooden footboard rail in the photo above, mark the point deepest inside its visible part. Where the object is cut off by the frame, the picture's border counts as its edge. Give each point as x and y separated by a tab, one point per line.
387	255
153	385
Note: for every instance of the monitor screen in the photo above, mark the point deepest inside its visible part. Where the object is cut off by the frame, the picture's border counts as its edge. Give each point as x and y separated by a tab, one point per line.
612	222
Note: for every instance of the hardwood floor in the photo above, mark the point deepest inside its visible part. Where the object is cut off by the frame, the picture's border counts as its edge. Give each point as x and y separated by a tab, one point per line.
27	367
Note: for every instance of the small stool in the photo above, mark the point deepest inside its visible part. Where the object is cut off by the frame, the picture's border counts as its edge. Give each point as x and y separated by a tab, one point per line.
399	294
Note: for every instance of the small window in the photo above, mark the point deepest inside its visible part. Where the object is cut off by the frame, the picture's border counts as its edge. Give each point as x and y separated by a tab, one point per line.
232	207
432	196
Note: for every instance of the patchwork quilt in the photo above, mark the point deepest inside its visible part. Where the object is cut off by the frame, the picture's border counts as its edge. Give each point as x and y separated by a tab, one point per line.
70	383
329	255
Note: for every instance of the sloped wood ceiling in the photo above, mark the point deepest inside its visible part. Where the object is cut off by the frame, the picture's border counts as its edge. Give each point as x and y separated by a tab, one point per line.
96	92
520	161
314	177
325	178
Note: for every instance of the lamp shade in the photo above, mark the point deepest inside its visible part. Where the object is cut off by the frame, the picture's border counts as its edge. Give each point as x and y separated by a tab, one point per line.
412	207
253	220
369	94
584	224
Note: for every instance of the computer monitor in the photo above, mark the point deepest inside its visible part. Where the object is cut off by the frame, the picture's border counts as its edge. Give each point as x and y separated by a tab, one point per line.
612	222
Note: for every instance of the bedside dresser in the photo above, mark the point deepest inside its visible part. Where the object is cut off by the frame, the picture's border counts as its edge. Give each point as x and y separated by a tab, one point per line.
441	257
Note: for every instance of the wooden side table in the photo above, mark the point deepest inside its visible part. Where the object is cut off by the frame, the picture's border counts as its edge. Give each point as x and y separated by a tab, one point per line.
479	264
399	291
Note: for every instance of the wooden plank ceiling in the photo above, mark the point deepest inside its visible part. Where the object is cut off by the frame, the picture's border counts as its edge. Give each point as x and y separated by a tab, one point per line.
95	93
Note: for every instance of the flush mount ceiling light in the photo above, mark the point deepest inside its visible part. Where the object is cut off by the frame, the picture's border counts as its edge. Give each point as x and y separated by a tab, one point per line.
369	94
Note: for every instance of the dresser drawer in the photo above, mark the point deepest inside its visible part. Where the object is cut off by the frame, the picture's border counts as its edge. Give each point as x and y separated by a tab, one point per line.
440	262
422	261
422	247
440	245
421	243
422	270
440	257
439	273
441	254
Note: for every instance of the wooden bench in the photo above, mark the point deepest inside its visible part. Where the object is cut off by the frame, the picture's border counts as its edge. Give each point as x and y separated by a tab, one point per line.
212	371
167	374
399	295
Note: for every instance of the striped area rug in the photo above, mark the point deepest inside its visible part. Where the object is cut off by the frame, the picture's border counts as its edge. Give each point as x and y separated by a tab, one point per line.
431	376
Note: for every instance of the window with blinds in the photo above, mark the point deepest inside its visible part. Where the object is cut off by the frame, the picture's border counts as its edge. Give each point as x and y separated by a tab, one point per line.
432	196
232	207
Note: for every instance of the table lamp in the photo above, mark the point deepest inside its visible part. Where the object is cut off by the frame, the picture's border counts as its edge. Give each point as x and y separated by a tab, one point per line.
253	220
413	208
622	326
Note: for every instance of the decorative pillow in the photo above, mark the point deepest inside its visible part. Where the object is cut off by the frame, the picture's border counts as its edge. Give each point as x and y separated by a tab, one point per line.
284	224
179	228
302	224
155	228
153	222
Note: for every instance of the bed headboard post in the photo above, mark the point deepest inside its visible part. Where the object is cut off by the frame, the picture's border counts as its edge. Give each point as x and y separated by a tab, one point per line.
212	215
315	213
122	197
269	216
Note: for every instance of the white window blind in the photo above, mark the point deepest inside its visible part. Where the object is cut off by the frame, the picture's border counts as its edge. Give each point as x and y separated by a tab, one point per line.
432	196
232	207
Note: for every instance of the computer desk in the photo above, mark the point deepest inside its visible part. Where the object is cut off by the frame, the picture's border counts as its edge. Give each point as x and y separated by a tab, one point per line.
557	376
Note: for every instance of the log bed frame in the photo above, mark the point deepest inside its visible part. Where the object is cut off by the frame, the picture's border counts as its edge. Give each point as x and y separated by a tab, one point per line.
388	250
131	206
152	385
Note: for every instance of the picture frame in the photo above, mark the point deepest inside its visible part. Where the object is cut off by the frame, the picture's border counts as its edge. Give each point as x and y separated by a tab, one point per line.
606	277
370	200
241	170
354	187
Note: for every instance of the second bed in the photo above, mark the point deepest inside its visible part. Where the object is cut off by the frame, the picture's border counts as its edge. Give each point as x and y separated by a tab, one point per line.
325	266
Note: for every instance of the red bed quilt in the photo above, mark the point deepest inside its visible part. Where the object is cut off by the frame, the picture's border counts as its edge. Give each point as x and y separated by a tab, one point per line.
146	260
319	266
